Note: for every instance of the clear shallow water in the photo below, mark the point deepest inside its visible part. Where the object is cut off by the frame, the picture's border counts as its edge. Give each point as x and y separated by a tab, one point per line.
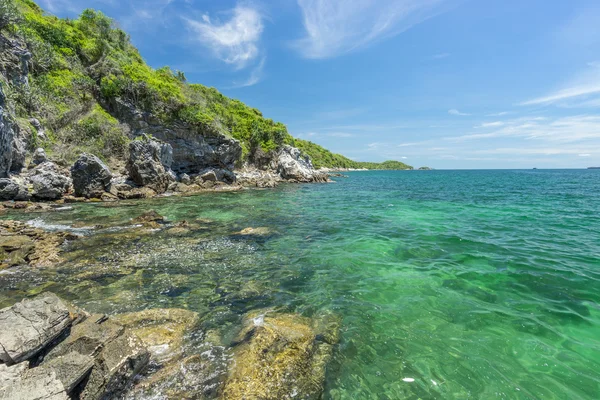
476	284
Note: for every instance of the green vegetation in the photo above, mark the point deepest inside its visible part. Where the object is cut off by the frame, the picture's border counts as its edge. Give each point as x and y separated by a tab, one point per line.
80	67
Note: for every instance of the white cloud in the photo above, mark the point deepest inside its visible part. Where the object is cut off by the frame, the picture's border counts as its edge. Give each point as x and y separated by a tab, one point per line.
335	27
584	86
490	124
234	41
499	114
565	130
340	134
441	56
585	155
457	113
255	76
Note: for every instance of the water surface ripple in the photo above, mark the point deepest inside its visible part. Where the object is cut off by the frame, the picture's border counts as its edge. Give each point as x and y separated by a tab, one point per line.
450	284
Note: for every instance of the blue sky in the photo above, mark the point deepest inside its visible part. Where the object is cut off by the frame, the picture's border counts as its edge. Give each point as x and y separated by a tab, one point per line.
443	83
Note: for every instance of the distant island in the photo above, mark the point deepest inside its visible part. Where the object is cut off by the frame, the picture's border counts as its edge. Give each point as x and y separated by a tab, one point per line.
593	167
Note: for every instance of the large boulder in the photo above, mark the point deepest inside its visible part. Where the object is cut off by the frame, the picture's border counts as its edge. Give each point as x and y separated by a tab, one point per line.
291	164
49	181
91	177
13	190
149	163
29	326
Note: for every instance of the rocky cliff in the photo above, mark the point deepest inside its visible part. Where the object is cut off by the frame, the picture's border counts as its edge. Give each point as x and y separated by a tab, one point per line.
81	113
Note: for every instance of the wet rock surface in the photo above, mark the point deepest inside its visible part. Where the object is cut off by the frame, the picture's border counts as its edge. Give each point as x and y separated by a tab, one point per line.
21	244
278	356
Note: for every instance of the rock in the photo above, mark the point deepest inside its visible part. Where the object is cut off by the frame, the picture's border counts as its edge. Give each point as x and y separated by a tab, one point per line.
149	163
12	190
54	380
26	245
29	326
195	147
7	135
162	331
91	177
209	176
195	377
119	356
117	364
149	218
261	231
45	387
277	357
11	374
291	164
39	157
19	150
185	179
41	133
49	182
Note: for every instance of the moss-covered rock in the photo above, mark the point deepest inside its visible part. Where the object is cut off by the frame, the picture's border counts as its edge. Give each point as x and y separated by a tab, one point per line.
277	356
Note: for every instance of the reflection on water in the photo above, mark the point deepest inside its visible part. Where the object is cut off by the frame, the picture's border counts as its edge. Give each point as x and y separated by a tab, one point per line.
453	285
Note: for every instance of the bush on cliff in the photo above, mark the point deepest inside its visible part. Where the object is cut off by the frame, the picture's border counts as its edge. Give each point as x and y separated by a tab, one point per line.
80	67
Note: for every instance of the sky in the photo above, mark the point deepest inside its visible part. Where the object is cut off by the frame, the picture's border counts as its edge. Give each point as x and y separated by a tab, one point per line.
449	84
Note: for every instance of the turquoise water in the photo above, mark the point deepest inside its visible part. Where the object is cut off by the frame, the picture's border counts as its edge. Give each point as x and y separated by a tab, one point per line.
450	284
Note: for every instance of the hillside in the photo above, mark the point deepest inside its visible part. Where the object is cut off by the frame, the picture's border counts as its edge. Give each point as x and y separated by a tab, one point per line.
82	71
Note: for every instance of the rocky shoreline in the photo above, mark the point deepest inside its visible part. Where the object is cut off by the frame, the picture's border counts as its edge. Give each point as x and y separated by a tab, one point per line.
52	350
148	173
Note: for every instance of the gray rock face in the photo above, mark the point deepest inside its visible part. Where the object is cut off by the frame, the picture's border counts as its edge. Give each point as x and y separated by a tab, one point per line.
19	150
39	157
119	355
290	163
29	326
145	164
185	179
43	387
12	190
194	148
7	135
49	182
91	177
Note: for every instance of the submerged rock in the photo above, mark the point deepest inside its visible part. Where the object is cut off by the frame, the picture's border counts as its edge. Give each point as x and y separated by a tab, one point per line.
91	177
22	244
150	219
162	331
260	231
29	326
277	356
